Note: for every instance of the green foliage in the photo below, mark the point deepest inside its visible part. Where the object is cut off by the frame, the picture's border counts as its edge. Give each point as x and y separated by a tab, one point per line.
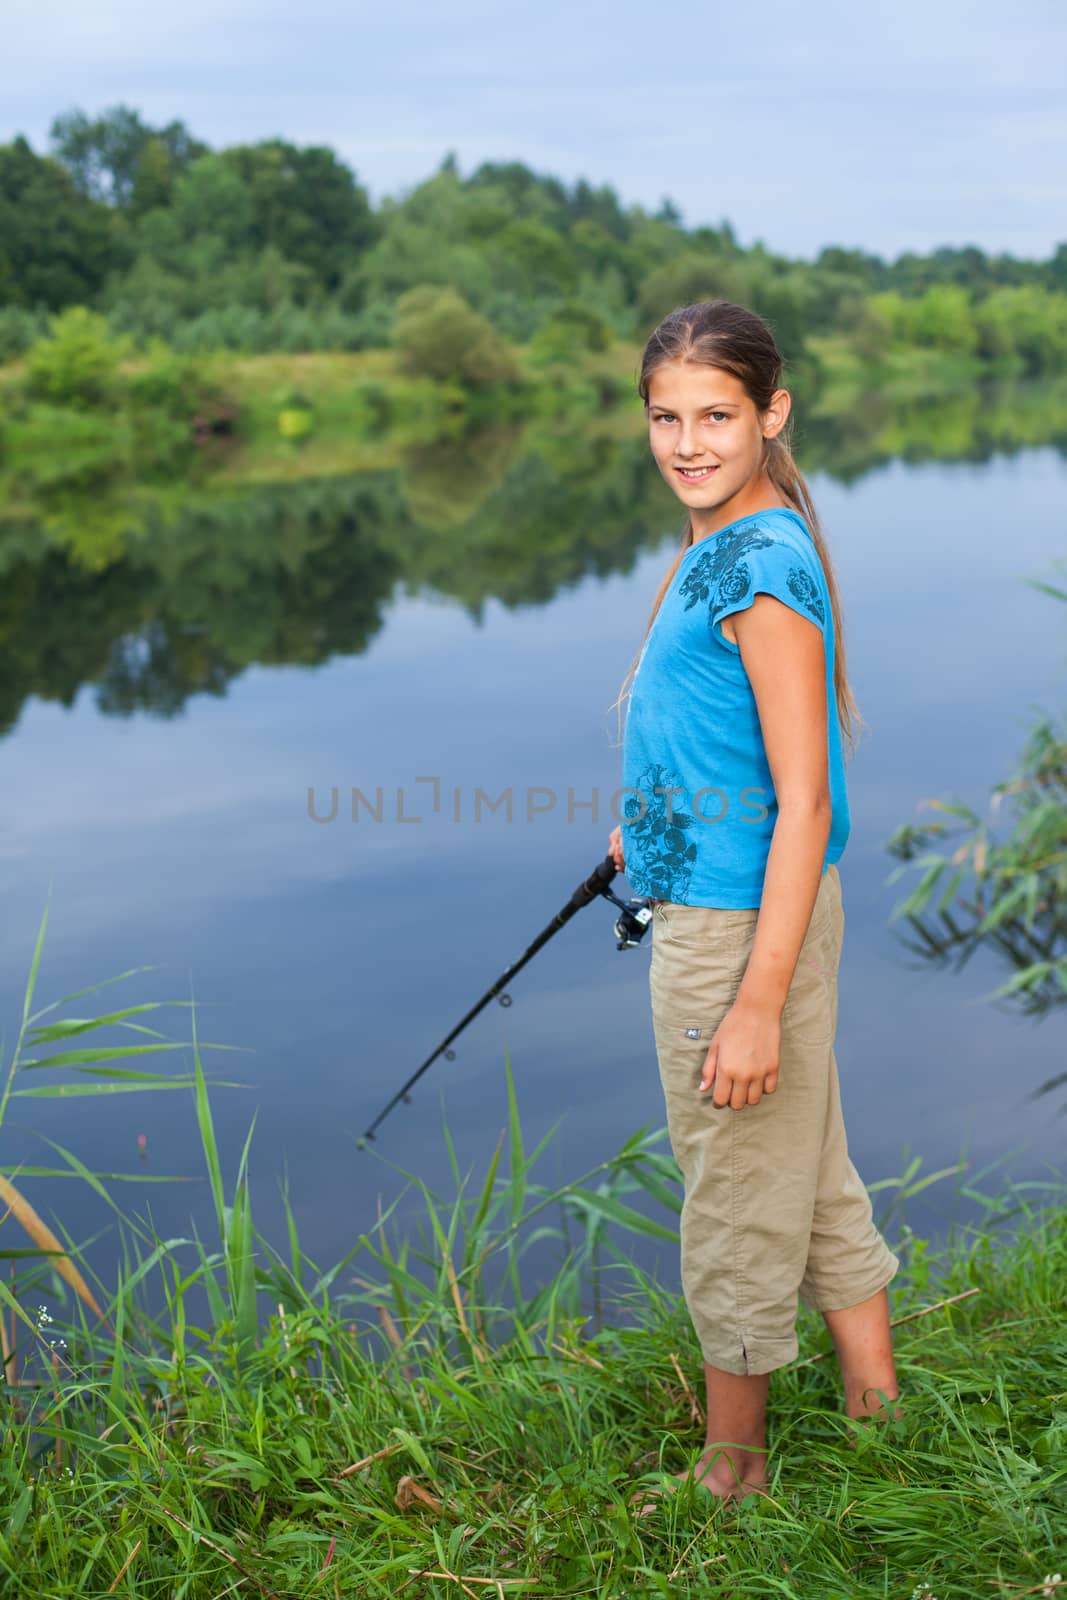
1009	894
400	478
689	277
77	363
212	199
436	334
19	329
166	398
296	414
56	247
573	328
233	1412
117	158
305	204
90	414
940	319
275	246
1026	321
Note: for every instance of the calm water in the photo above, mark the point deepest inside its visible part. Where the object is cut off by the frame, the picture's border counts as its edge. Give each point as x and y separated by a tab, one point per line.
336	956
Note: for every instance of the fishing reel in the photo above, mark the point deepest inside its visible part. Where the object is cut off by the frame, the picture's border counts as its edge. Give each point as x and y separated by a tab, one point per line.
634	920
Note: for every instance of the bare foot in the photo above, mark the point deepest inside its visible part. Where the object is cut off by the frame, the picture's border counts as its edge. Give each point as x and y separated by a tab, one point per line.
711	1472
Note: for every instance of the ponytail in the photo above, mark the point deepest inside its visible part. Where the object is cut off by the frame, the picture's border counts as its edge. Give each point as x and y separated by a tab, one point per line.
789	481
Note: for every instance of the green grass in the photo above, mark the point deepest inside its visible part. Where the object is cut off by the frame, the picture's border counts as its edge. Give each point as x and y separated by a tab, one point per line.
420	1419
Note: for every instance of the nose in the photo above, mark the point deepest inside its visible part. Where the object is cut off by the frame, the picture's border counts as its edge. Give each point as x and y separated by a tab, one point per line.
687	445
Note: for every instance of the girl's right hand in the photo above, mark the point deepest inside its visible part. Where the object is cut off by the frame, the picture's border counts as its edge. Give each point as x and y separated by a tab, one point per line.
615	849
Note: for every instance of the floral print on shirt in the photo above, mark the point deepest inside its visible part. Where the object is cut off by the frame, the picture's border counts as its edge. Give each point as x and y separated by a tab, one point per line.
656	842
720	576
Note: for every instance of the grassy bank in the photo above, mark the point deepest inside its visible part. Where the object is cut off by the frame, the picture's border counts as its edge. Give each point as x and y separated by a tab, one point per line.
165	427
420	1420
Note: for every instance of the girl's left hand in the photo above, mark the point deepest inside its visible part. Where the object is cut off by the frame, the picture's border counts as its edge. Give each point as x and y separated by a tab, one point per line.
742	1059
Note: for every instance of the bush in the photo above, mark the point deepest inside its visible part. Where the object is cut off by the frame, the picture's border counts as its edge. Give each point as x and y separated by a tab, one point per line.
295	416
574	327
76	364
171	400
19	329
436	334
695	275
167	382
1025	321
942	319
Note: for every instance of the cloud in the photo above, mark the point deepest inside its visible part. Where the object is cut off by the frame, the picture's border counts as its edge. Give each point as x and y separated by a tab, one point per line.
893	128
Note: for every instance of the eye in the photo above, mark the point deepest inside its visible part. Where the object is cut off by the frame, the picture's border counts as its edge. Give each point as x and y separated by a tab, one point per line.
725	415
664	416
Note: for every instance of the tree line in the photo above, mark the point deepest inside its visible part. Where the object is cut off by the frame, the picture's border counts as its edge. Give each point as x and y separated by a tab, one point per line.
276	246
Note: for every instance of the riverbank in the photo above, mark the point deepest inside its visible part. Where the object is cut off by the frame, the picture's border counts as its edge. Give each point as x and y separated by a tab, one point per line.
417	1420
166	430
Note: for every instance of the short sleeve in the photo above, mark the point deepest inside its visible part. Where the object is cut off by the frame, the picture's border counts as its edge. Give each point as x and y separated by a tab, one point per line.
767	565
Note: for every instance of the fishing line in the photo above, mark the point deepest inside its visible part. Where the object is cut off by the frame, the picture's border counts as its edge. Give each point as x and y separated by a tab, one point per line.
631	925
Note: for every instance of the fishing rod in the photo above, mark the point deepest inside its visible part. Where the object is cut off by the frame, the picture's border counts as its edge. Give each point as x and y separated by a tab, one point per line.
631	925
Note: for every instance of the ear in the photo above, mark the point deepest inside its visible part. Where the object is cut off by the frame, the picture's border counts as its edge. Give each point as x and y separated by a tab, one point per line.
774	419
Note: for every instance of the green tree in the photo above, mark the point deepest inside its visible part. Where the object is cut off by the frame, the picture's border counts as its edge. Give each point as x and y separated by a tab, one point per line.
534	259
410	253
213	199
866	271
55	246
119	159
154	177
438	335
306	204
572	328
942	319
1028	320
867	324
77	363
688	278
1056	273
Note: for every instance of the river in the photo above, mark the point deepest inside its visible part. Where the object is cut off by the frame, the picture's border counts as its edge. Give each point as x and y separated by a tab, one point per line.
332	957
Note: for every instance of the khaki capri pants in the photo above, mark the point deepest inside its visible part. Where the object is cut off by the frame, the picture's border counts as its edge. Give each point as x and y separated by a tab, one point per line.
774	1211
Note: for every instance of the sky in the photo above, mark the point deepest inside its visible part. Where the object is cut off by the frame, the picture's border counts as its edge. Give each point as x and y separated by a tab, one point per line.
884	127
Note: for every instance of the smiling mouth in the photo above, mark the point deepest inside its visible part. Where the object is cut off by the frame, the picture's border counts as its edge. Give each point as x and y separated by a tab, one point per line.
695	474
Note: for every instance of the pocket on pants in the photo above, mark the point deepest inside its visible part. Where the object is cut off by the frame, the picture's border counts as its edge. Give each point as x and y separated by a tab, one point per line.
694	985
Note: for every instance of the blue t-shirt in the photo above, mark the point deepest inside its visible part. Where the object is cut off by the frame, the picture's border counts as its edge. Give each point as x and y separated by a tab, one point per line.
692	726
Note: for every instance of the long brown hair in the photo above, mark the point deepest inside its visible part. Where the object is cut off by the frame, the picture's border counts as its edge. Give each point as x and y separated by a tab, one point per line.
720	334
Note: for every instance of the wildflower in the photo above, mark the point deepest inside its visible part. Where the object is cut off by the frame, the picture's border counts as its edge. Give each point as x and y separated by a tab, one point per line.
923	1591
1052	1582
43	1319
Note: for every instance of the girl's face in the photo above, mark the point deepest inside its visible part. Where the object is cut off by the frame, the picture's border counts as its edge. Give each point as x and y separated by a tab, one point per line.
708	440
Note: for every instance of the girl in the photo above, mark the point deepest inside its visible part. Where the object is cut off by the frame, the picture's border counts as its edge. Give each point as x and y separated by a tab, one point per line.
736	814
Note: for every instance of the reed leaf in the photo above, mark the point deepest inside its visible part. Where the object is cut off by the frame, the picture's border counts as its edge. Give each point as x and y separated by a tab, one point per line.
42	1235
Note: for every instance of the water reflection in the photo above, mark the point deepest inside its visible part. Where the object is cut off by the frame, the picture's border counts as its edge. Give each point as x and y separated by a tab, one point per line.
168	729
155	594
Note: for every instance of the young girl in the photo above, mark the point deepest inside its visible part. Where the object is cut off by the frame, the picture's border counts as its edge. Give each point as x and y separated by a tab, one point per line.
736	813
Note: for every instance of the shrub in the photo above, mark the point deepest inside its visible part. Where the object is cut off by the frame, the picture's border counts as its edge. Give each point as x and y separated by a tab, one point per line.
436	334
76	364
19	329
572	328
